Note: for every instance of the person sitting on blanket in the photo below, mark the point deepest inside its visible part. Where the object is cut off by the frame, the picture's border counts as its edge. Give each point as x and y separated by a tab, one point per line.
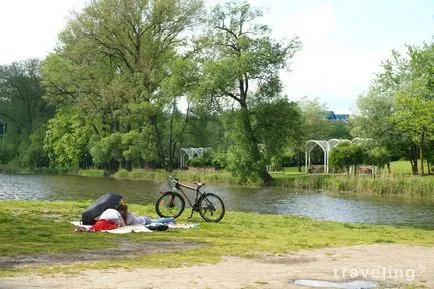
111	219
131	219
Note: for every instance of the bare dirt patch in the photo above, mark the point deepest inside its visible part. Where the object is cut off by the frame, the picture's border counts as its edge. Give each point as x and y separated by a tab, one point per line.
393	266
126	249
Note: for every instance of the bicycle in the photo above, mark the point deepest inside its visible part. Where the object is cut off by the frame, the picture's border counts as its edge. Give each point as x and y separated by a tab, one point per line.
172	203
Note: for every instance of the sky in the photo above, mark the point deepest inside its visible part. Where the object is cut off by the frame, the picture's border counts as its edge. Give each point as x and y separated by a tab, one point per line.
344	41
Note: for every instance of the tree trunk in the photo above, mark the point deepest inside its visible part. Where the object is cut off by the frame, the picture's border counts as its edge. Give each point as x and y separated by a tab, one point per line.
413	163
422	141
299	160
413	157
253	143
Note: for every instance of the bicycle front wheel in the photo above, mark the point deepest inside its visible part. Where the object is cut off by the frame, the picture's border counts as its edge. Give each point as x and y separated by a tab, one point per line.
211	207
170	204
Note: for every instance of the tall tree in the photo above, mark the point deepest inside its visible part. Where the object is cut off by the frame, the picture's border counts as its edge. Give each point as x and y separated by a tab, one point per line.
24	111
372	120
414	107
398	110
114	57
21	94
240	66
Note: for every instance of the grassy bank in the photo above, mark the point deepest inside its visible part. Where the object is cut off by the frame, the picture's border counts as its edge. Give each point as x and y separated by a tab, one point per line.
35	228
386	185
91	173
11	169
383	185
193	175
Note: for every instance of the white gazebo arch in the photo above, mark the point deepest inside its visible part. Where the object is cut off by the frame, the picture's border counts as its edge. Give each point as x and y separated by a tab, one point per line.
191	152
334	142
310	145
327	146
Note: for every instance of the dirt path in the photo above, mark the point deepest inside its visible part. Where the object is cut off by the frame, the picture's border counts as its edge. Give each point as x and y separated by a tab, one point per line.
391	265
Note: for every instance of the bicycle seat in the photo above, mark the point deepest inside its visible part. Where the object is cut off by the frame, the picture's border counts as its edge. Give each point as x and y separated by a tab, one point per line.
199	185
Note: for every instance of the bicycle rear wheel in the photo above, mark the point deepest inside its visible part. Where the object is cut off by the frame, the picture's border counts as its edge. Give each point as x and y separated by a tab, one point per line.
211	207
170	204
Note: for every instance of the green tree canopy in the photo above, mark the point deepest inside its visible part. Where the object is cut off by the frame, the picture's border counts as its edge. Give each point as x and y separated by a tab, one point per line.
398	110
414	97
239	65
121	65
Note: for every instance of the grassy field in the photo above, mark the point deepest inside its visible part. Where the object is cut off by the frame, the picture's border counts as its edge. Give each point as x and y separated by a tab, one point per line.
404	167
400	167
34	228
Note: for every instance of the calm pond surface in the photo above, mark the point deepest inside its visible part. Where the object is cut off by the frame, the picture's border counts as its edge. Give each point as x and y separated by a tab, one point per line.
318	205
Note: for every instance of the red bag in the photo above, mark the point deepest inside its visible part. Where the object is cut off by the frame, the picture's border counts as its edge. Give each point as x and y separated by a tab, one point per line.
101	225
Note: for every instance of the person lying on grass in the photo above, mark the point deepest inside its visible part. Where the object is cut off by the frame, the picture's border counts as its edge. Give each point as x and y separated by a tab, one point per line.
131	219
114	218
111	219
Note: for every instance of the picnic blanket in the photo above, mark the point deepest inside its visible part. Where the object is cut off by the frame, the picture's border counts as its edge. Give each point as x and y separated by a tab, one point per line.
136	228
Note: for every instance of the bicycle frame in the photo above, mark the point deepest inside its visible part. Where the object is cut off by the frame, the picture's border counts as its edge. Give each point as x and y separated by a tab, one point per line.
178	187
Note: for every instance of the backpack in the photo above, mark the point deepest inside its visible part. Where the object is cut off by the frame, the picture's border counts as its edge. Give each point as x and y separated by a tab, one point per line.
106	201
157	227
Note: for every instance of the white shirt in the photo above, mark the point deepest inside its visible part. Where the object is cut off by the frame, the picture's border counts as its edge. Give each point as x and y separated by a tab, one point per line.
110	214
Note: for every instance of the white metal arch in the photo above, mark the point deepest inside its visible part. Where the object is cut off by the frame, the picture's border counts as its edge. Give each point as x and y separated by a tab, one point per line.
327	146
191	152
334	142
310	144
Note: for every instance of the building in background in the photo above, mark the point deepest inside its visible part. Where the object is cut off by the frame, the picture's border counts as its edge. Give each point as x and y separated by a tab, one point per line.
338	117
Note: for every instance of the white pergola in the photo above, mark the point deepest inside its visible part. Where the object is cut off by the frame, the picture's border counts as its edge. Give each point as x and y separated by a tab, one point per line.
191	152
326	146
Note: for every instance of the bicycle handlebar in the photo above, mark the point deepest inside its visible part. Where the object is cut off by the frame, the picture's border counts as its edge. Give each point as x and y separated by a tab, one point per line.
177	183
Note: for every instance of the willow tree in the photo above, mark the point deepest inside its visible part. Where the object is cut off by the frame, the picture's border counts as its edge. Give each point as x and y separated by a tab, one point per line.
24	111
240	64
111	62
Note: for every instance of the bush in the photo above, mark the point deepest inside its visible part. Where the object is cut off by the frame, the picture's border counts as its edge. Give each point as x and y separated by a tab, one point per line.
91	173
346	155
34	157
7	153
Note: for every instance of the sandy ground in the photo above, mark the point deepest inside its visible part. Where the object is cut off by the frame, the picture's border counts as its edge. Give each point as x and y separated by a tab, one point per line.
391	265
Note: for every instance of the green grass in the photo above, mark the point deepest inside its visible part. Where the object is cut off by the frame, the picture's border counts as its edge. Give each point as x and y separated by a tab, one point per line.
396	167
384	185
293	170
32	228
400	167
404	167
91	173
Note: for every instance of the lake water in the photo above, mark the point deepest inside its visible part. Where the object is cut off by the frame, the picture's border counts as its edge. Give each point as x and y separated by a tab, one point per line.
318	205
